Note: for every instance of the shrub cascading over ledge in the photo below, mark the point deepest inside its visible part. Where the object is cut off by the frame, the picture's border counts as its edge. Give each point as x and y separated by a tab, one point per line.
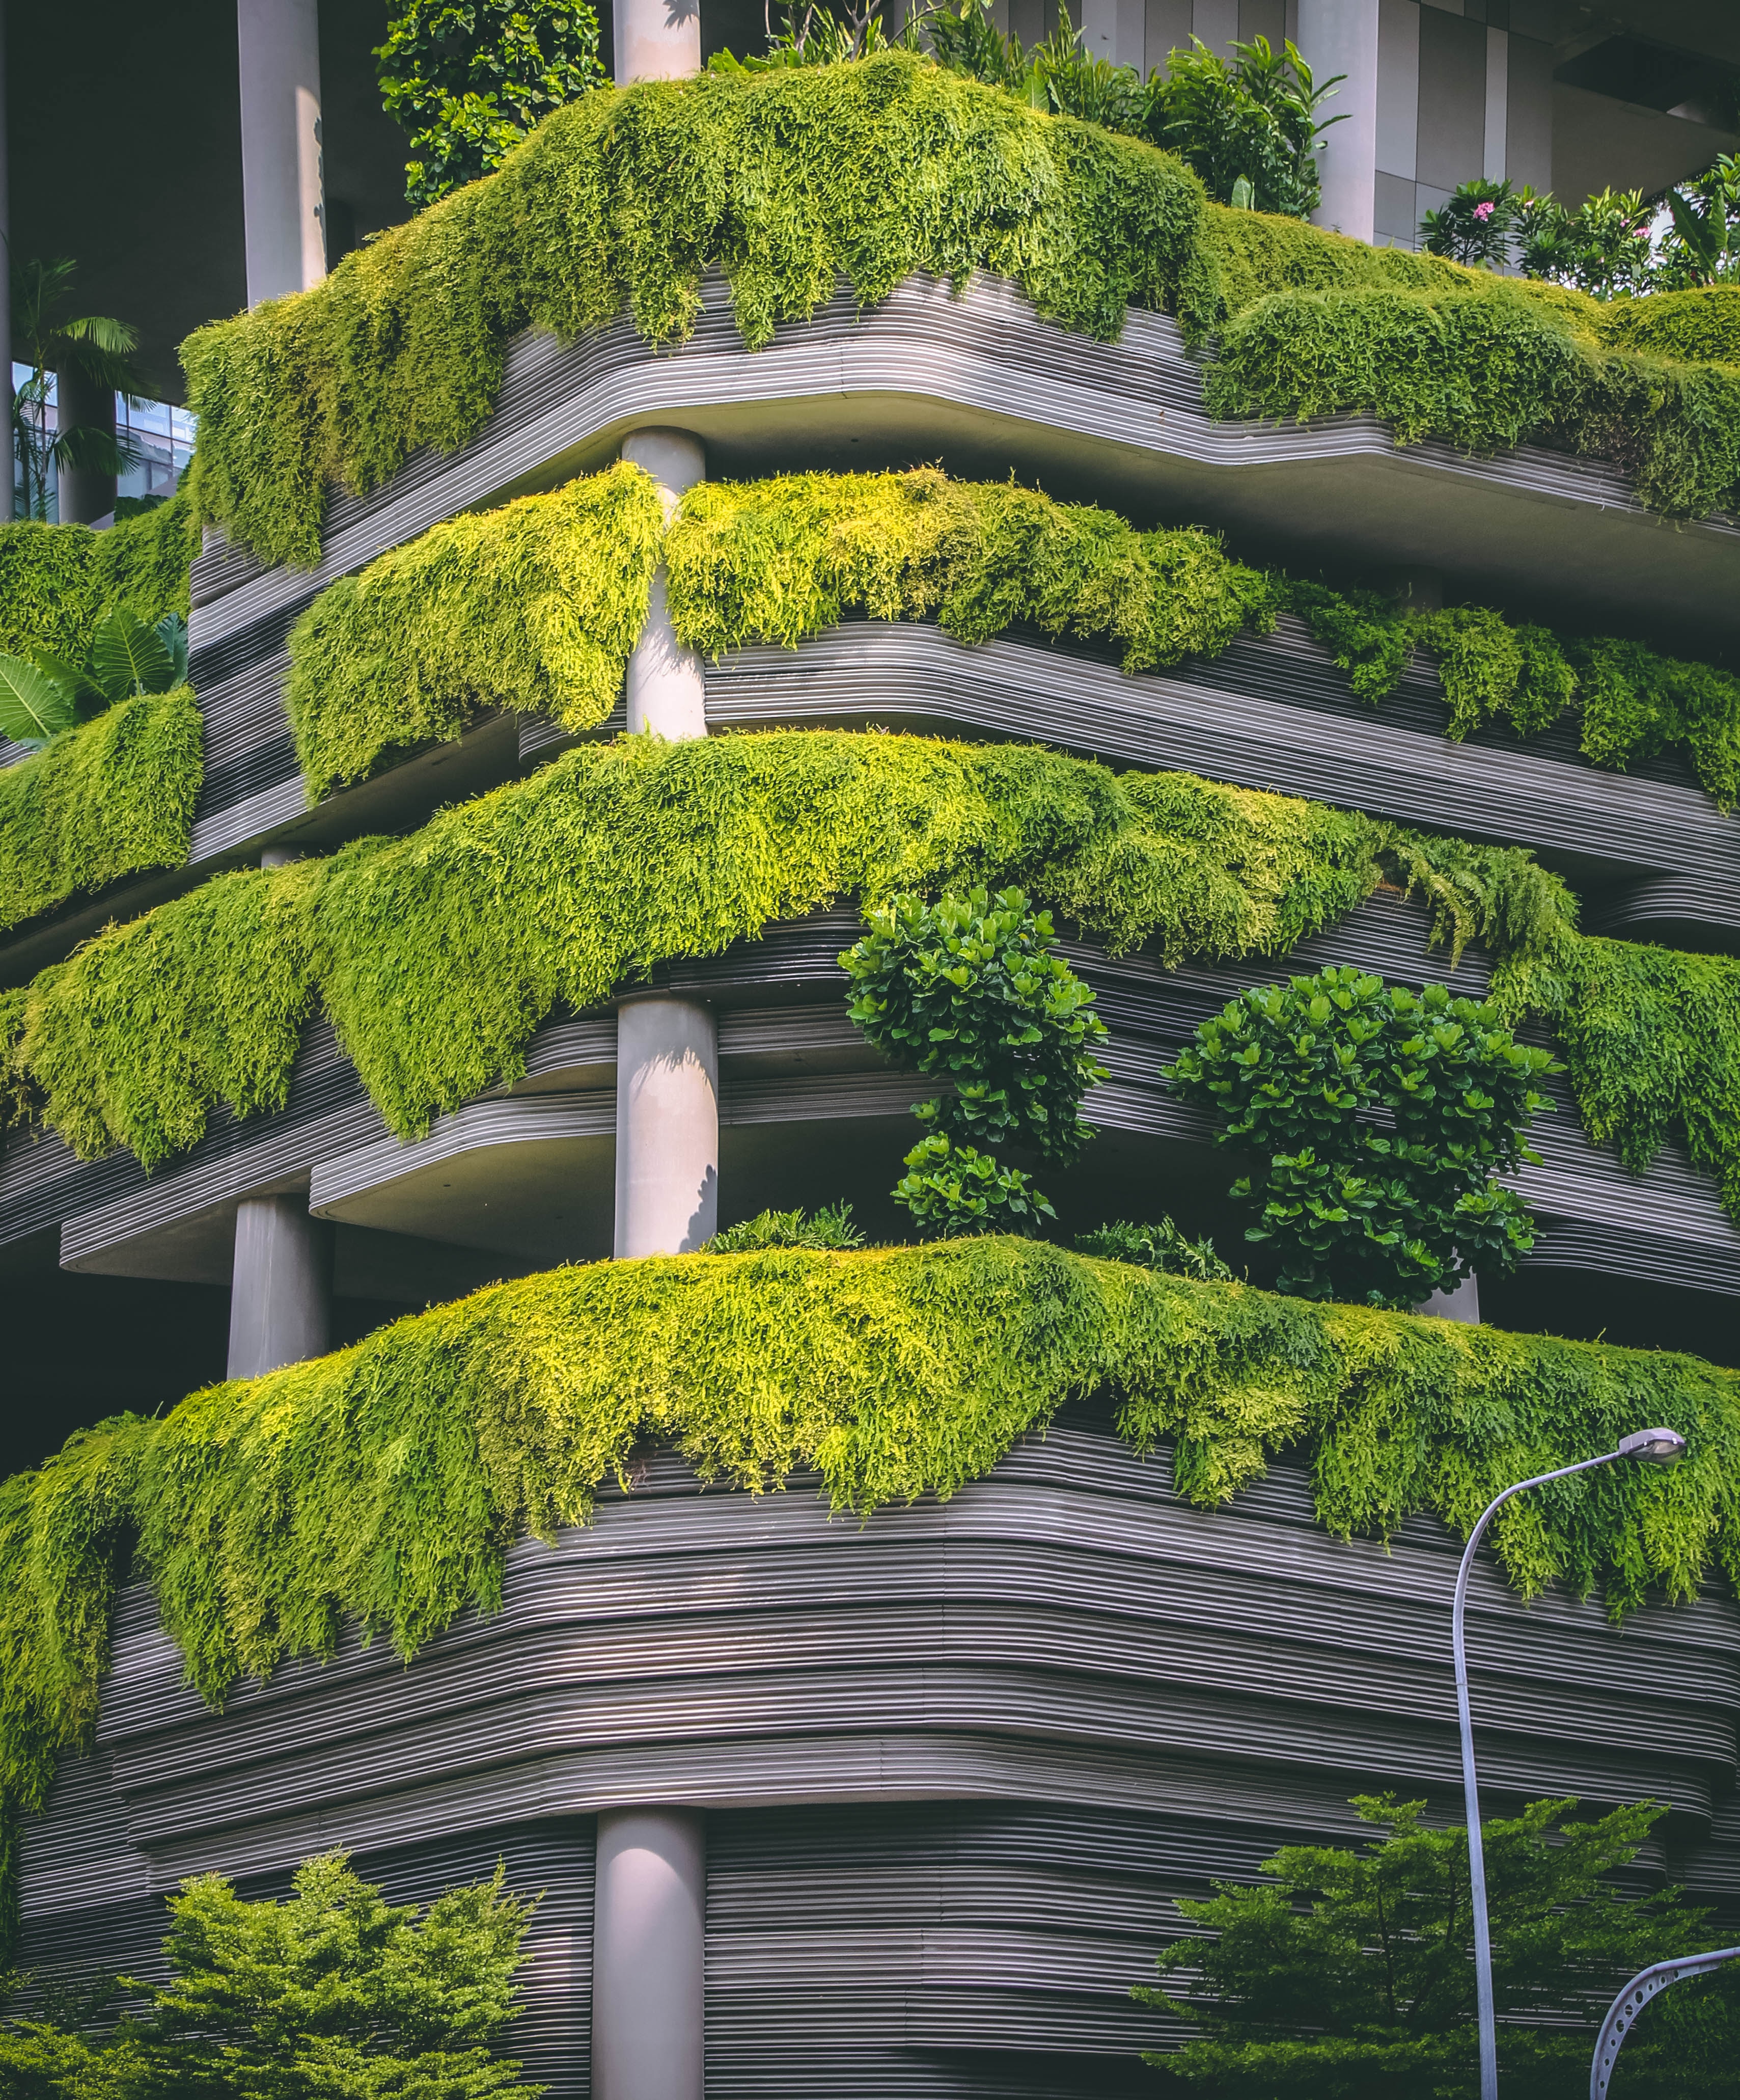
113	798
379	1486
56	580
791	181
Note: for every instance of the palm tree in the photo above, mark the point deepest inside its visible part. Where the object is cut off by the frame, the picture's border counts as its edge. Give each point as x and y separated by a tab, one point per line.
91	347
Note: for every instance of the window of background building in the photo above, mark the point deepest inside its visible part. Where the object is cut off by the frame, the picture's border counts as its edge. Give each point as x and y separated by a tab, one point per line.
161	435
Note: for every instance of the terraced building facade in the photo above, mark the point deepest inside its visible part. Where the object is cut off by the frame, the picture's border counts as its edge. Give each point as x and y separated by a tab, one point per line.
765	494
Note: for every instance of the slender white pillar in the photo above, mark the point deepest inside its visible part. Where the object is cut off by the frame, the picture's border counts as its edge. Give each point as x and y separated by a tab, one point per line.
1461	1303
657	39
1341	36
648	1955
283	206
281	1287
667	683
667	1126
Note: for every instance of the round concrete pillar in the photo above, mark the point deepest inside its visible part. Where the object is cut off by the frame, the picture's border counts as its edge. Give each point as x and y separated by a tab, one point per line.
657	39
83	495
1460	1302
648	1955
283	206
281	1287
667	683
667	1126
1341	36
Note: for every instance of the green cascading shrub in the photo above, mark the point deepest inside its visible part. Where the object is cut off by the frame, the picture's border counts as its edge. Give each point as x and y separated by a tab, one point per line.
1698	327
787	181
436	956
110	798
55	579
534	606
413	1458
1485	368
430	633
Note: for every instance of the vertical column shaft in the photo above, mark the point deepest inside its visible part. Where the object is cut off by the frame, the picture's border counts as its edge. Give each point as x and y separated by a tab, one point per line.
648	1955
284	209
667	1126
1341	36
666	683
657	39
280	1289
84	494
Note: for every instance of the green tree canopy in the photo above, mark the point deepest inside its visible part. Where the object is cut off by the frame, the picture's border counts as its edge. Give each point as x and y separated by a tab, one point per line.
334	1994
1347	1975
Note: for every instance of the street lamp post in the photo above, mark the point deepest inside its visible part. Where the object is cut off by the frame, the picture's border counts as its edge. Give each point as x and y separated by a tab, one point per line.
1659	1447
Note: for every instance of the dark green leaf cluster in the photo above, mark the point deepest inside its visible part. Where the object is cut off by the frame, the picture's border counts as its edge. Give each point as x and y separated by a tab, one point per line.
1347	1975
1376	1119
468	79
1248	126
42	695
332	1991
969	991
831	1226
1162	1246
1475	226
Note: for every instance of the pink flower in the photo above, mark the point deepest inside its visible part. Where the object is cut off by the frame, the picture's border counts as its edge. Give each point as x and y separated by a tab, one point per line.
1483	210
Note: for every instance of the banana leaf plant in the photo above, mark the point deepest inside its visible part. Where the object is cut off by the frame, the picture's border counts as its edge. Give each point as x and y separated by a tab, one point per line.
43	695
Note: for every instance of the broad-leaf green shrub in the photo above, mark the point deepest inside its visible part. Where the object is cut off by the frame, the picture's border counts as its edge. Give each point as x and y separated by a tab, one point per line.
534	606
788	181
1348	1973
950	1190
113	798
1383	1212
332	1991
413	1459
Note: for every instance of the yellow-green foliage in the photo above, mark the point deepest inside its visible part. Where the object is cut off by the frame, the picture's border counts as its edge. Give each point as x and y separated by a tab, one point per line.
107	800
787	181
379	1486
1701	326
1485	367
55	579
437	955
781	559
534	606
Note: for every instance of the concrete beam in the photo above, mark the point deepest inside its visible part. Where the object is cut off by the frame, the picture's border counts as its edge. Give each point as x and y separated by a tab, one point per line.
1341	36
667	683
667	1126
648	1955
284	204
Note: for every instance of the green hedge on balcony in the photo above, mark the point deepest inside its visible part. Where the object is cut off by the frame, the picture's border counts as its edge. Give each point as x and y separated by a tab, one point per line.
410	1460
55	579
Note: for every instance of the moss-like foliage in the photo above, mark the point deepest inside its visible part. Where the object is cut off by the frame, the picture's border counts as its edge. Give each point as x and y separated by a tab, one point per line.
534	606
56	580
437	955
1484	367
787	181
1701	327
109	799
379	1486
779	560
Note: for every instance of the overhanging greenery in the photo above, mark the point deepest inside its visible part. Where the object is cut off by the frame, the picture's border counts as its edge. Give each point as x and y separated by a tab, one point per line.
534	607
110	798
379	1486
55	579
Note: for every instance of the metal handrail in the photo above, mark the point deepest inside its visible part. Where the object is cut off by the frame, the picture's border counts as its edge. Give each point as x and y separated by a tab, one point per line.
1623	2013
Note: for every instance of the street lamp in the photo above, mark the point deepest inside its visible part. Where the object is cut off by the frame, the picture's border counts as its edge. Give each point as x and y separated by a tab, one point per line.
1654	1447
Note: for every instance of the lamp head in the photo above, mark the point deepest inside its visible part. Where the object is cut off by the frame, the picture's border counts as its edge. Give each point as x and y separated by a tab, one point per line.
1653	1447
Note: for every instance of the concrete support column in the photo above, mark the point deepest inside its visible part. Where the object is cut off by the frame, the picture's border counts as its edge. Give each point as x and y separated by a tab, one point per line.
83	494
281	1287
648	1955
1461	1303
1341	36
667	683
284	206
657	39
667	1126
